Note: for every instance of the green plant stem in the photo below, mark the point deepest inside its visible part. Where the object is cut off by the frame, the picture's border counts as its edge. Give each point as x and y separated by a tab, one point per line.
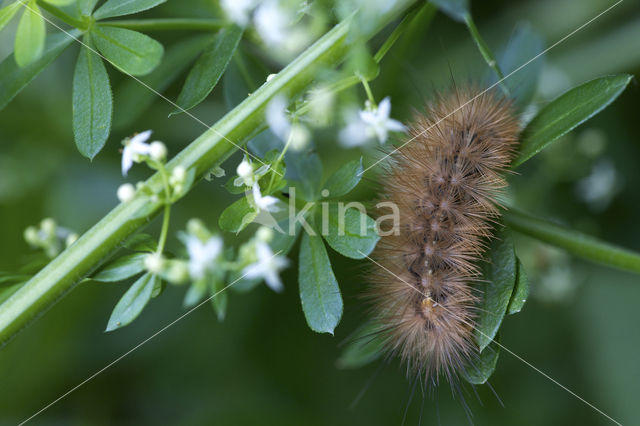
573	241
175	24
486	53
63	16
367	89
207	151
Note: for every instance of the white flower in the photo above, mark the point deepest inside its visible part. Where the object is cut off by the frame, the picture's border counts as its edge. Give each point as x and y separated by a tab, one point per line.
271	22
135	149
126	192
378	120
238	10
247	176
154	263
202	255
299	137
158	151
276	117
178	176
267	202
267	266
264	234
355	133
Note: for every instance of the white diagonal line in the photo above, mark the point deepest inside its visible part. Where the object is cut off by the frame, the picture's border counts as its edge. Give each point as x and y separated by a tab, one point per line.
149	87
494	84
506	349
133	349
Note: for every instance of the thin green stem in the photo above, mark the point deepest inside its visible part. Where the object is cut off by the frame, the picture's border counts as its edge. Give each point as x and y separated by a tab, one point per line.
486	53
573	241
63	16
209	150
167	209
171	24
367	89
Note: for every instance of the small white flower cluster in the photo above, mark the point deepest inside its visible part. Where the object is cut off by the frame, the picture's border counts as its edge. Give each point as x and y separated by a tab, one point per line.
264	263
249	177
137	150
295	134
49	237
372	122
275	21
206	259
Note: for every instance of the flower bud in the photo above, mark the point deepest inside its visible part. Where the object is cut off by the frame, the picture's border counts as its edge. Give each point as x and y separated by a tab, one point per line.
154	263
126	192
158	151
264	234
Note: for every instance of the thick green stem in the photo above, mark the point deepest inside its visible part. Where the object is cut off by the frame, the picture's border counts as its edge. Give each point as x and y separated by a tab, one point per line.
574	242
209	150
173	24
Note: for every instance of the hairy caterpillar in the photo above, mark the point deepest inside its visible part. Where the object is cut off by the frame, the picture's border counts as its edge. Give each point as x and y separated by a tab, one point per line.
444	182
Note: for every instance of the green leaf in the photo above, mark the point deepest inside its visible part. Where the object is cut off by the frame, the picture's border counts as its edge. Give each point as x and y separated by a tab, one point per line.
365	347
30	37
92	102
124	7
219	298
85	7
14	78
130	51
500	277
132	98
237	216
7	291
122	268
568	111
455	9
60	2
209	68
573	241
7	13
132	302
319	292
523	45
141	242
344	179
481	368
520	291
350	232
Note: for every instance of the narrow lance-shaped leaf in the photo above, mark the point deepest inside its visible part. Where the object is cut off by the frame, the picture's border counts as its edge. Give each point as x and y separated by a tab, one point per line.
14	78
523	45
520	291
568	111
209	68
132	302
122	268
573	241
319	291
132	98
124	7
499	279
92	102
85	7
130	51
30	37
365	346
344	179
482	367
7	13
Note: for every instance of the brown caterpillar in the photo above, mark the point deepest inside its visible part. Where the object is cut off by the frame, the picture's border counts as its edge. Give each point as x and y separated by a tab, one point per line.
445	181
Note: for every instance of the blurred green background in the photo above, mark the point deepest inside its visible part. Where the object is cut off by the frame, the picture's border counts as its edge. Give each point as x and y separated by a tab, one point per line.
263	365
